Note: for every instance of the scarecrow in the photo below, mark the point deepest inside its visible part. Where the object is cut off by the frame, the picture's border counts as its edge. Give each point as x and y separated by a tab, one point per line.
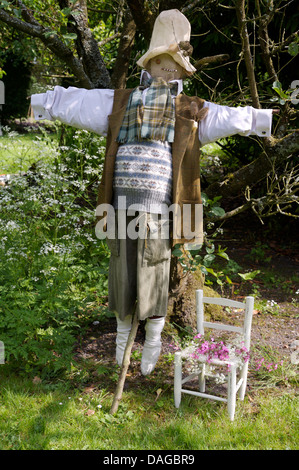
154	134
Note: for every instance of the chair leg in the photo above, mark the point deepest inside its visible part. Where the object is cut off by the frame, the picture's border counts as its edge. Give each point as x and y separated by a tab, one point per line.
231	392
202	379
177	379
243	375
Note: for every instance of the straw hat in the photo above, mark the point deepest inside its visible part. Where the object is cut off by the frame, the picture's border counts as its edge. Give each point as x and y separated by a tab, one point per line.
171	35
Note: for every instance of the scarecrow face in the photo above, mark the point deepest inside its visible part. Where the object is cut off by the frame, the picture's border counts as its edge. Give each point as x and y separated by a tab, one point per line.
165	66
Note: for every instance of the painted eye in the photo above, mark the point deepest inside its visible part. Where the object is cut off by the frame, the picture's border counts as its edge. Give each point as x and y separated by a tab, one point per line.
158	61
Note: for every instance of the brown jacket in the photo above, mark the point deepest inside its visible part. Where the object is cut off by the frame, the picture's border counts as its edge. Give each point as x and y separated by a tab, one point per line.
185	157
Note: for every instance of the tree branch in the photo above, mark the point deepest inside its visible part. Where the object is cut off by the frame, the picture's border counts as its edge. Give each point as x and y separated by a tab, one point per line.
264	40
233	212
87	46
121	66
211	60
50	39
109	39
241	17
125	365
275	153
264	43
170	4
189	7
283	45
144	18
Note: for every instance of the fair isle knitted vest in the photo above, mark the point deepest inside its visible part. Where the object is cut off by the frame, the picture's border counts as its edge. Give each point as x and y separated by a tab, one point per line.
143	176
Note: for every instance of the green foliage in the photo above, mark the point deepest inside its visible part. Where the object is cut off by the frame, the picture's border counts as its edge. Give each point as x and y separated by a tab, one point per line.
204	257
270	370
19	152
289	95
212	207
258	253
212	259
53	270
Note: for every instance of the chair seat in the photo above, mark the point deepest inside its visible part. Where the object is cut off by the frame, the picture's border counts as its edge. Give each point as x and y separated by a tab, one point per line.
187	352
218	362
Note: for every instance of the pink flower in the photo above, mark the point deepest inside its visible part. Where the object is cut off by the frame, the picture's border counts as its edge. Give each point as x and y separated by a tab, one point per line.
197	336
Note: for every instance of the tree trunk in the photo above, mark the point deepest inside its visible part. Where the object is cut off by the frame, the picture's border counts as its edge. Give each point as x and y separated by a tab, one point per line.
32	28
122	62
181	302
87	46
143	17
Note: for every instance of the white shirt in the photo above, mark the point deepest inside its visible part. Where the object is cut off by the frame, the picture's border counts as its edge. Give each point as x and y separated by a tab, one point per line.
89	109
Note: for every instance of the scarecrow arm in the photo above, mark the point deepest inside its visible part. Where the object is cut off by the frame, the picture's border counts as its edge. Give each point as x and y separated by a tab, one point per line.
223	121
89	109
77	107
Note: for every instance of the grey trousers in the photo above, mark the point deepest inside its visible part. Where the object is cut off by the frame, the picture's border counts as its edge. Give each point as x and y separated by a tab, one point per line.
139	266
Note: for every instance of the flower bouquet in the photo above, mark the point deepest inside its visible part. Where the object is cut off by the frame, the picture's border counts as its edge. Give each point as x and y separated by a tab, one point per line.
215	352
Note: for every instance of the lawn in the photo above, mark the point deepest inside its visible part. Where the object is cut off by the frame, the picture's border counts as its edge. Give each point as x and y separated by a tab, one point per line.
38	415
19	151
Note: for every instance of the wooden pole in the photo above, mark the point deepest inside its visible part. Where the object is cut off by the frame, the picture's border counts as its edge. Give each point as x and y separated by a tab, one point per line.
125	364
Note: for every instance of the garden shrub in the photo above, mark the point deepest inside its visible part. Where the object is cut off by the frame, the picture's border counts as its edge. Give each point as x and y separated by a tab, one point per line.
53	269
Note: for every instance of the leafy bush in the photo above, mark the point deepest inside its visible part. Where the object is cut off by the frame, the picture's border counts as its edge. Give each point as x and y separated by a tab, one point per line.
53	269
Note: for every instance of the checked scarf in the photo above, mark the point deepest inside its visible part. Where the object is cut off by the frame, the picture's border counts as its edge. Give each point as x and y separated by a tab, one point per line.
155	119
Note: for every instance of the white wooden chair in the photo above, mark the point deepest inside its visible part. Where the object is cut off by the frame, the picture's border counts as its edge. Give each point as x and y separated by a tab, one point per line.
231	366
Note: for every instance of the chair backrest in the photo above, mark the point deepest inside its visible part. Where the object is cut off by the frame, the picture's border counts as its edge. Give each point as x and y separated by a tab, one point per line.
247	305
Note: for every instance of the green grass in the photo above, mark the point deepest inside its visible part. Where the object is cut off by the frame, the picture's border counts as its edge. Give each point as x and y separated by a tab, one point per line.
18	152
49	416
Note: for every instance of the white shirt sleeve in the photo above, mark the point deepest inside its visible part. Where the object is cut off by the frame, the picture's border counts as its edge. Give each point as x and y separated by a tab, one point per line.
223	121
85	109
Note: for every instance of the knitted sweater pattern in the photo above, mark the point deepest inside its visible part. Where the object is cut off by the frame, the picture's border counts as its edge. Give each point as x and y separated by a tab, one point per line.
143	175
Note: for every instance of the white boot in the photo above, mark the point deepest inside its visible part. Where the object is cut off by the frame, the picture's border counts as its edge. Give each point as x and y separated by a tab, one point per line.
152	345
123	331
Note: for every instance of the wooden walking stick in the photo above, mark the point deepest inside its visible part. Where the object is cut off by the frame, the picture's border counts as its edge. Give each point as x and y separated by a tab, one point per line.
125	364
